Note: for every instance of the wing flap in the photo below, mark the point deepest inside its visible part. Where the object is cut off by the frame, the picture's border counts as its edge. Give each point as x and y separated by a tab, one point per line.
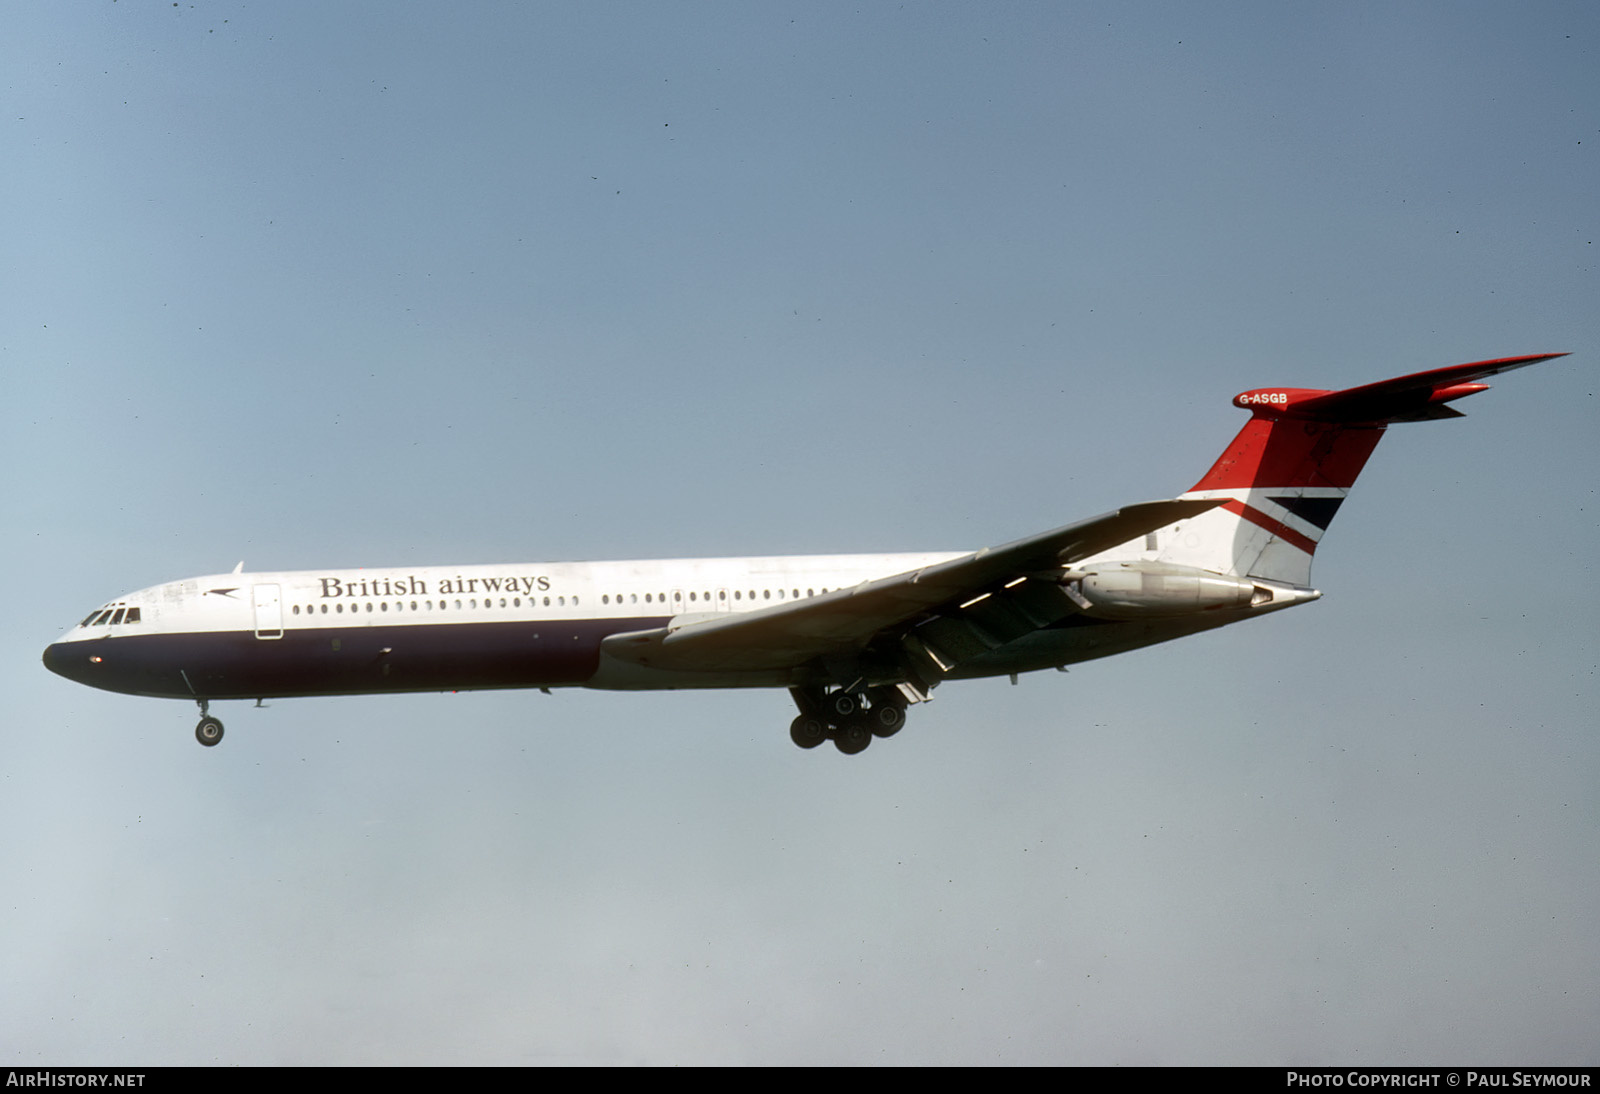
846	620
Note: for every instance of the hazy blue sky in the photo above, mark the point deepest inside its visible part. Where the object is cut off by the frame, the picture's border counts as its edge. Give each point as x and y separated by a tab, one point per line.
340	284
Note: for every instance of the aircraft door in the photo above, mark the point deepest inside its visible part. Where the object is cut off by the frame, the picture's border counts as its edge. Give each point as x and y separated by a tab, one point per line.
269	612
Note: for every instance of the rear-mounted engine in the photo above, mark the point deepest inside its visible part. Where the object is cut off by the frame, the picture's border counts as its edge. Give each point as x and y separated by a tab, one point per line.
1153	590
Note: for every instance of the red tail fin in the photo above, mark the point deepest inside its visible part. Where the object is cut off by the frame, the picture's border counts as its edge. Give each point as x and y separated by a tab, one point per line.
1290	467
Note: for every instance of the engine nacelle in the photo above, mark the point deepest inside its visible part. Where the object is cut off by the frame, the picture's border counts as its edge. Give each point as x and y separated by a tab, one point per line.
1154	590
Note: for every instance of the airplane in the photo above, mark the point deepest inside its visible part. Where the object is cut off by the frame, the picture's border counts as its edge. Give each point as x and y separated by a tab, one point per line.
856	639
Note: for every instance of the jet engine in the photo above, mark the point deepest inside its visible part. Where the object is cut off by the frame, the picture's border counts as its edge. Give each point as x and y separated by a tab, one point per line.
1155	590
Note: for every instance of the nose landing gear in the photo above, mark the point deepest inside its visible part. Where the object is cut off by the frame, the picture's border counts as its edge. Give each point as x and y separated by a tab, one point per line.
209	731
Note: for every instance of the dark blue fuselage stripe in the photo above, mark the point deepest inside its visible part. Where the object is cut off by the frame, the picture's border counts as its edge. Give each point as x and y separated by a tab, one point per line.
336	661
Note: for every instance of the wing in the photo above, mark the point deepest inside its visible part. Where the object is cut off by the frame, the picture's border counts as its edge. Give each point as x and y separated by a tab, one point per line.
845	621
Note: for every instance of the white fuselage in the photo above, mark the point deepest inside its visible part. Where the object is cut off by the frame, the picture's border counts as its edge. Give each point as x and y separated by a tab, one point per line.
355	631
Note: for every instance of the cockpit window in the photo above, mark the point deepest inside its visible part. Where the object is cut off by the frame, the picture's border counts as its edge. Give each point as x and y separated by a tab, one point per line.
102	616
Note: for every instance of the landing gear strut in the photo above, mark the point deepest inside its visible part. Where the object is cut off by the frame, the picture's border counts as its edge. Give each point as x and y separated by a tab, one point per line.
849	718
209	731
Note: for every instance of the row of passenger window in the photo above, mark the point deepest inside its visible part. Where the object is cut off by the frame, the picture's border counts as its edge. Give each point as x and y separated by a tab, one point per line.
111	617
705	598
431	606
696	597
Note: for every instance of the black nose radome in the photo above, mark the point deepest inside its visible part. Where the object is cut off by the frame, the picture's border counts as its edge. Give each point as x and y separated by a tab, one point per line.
61	660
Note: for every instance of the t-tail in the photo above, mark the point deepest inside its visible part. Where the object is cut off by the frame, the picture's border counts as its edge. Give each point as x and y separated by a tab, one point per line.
1287	472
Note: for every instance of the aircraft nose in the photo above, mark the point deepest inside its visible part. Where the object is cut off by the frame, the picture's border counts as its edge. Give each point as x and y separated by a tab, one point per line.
53	659
60	659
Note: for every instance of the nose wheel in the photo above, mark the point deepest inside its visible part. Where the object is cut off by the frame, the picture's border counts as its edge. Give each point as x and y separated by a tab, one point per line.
209	731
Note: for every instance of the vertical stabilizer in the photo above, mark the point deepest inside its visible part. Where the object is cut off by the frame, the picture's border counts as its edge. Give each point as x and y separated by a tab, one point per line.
1284	479
1289	469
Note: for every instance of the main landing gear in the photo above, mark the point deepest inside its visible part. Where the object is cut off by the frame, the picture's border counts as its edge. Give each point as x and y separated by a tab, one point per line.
209	731
850	718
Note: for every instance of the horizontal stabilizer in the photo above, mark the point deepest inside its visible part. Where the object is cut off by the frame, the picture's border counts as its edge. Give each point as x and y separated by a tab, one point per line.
1418	397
